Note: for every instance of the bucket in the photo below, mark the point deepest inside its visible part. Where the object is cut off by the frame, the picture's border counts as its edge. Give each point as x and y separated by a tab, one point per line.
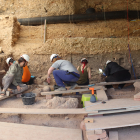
28	98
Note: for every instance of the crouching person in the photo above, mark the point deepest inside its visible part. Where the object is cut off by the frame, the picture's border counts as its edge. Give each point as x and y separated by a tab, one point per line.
63	72
13	77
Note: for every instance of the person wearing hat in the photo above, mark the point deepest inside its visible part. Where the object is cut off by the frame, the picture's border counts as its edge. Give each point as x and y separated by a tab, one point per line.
26	73
13	77
85	72
10	61
116	73
63	72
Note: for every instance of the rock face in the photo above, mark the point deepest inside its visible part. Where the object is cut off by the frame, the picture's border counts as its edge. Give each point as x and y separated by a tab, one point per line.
59	102
98	40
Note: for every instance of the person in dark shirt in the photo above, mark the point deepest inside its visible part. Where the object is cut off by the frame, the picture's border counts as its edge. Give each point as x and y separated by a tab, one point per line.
116	73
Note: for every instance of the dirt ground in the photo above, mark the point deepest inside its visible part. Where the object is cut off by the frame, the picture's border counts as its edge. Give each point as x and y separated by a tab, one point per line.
64	121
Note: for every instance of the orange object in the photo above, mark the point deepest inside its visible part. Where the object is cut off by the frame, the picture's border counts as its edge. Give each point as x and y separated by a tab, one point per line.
26	74
92	89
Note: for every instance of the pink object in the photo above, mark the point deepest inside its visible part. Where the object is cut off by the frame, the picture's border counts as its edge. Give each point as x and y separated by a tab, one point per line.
82	125
137	99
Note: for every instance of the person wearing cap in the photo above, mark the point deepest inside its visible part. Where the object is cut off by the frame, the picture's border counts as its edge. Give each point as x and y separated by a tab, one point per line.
85	72
13	77
63	72
116	73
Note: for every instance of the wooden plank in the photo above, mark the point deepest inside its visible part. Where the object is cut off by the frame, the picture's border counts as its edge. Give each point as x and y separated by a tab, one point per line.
5	97
101	95
71	91
114	121
84	134
137	96
116	83
115	111
12	131
88	120
112	104
113	135
42	111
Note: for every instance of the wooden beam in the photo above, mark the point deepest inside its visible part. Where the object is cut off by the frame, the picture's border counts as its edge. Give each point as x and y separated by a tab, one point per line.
101	95
88	120
13	131
113	135
71	91
116	83
112	106
114	121
42	111
5	97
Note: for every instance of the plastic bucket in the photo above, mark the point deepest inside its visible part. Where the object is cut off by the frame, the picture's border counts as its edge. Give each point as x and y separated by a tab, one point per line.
28	98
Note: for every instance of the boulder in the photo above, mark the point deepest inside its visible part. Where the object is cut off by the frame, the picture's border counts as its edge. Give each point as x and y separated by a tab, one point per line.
60	102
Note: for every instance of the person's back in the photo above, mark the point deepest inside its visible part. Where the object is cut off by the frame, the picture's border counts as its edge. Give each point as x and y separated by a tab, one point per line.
83	80
116	73
113	67
63	72
15	70
64	65
26	74
85	72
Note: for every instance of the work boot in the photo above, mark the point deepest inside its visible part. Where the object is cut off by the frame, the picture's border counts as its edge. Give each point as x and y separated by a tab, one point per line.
73	86
61	89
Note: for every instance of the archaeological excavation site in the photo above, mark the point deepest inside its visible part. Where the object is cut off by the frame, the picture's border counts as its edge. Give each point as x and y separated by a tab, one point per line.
69	70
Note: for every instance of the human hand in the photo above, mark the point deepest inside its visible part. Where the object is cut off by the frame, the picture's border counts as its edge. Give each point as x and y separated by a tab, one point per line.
48	80
18	88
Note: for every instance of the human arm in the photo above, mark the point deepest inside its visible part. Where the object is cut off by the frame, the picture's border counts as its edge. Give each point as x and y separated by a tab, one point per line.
89	72
77	67
12	71
48	75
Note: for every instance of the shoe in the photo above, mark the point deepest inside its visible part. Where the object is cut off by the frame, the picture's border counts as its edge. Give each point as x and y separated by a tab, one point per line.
61	89
73	86
3	93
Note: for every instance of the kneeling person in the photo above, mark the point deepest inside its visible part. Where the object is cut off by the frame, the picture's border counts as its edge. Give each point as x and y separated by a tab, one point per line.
13	77
66	72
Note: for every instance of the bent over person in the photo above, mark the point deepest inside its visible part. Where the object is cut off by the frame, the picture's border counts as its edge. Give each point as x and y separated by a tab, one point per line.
116	73
63	72
13	77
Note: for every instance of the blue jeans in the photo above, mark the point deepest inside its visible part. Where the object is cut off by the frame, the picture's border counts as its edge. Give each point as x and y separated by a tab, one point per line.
61	76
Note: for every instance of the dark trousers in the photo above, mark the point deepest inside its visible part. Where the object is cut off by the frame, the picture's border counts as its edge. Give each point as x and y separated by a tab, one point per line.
118	76
61	76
